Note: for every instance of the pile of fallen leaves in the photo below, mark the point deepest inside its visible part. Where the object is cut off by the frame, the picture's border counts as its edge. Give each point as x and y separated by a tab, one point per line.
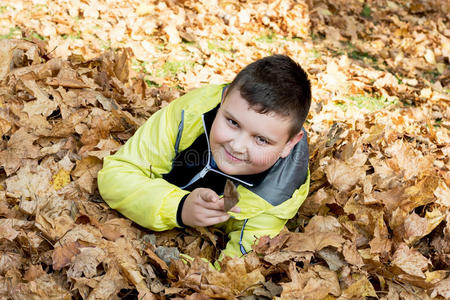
376	223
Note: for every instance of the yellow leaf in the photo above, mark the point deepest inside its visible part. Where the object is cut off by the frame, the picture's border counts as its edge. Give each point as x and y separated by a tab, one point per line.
434	277
429	57
61	179
362	287
145	9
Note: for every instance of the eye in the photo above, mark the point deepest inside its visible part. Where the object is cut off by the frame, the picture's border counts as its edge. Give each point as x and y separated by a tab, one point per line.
261	141
232	122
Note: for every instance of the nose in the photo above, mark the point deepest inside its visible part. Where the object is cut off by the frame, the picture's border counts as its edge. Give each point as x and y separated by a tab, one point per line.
237	144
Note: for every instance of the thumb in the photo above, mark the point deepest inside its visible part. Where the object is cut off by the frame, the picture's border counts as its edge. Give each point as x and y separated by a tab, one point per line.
209	195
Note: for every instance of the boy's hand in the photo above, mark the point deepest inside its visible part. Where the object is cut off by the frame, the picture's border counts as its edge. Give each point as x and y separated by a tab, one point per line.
203	207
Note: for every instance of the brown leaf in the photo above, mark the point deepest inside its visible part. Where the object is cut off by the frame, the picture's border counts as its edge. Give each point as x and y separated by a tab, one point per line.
343	175
42	105
442	193
116	228
315	241
33	272
62	255
230	195
109	285
442	288
158	262
86	262
6	56
275	258
235	278
323	224
333	258
417	227
43	287
410	261
351	254
206	233
9	260
6	230
361	288
315	283
267	245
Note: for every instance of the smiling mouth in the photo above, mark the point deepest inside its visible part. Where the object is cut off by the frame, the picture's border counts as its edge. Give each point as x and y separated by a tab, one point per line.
232	157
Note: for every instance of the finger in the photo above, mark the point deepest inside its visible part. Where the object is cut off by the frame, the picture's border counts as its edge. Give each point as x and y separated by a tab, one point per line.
209	195
215	214
236	209
217	205
217	220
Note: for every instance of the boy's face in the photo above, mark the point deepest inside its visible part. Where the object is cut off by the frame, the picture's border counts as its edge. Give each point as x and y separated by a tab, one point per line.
245	142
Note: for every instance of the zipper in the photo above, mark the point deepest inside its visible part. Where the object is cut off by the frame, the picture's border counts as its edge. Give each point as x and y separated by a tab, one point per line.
203	172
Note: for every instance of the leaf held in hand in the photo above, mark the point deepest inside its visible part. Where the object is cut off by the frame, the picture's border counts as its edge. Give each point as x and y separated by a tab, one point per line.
230	195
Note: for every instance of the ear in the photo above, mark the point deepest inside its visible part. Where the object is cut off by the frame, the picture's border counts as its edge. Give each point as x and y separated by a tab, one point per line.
291	144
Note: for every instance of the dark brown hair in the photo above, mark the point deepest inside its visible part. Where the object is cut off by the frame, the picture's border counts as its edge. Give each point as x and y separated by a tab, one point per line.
276	83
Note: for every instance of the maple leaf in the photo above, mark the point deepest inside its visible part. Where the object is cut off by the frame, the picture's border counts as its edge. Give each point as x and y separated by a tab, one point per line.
235	277
85	262
314	241
314	283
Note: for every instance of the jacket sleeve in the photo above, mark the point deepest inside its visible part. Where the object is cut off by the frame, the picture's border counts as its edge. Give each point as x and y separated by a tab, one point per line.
131	181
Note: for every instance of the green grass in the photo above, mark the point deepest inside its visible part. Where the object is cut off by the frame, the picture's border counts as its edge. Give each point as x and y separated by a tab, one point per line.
13	33
218	46
3	9
106	45
173	67
75	36
369	102
151	83
354	53
35	35
364	56
366	11
314	54
268	38
39	7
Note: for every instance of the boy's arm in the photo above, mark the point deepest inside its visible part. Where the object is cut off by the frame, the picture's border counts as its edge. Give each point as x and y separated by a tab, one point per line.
131	181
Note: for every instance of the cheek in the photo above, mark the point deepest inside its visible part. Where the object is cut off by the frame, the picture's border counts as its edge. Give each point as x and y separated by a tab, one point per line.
219	133
263	157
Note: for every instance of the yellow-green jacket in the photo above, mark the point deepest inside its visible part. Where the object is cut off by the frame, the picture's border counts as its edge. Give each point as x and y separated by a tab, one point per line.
169	156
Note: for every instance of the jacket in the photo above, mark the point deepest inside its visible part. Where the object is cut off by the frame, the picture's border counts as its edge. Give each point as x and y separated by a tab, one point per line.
169	156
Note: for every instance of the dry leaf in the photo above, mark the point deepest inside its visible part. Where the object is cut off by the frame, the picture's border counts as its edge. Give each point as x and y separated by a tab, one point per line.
410	261
235	277
230	195
315	283
62	255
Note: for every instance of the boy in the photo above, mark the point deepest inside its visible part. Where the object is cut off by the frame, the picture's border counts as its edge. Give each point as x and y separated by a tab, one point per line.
172	171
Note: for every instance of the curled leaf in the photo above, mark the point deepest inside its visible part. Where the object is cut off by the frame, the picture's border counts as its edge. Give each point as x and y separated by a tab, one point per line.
230	195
